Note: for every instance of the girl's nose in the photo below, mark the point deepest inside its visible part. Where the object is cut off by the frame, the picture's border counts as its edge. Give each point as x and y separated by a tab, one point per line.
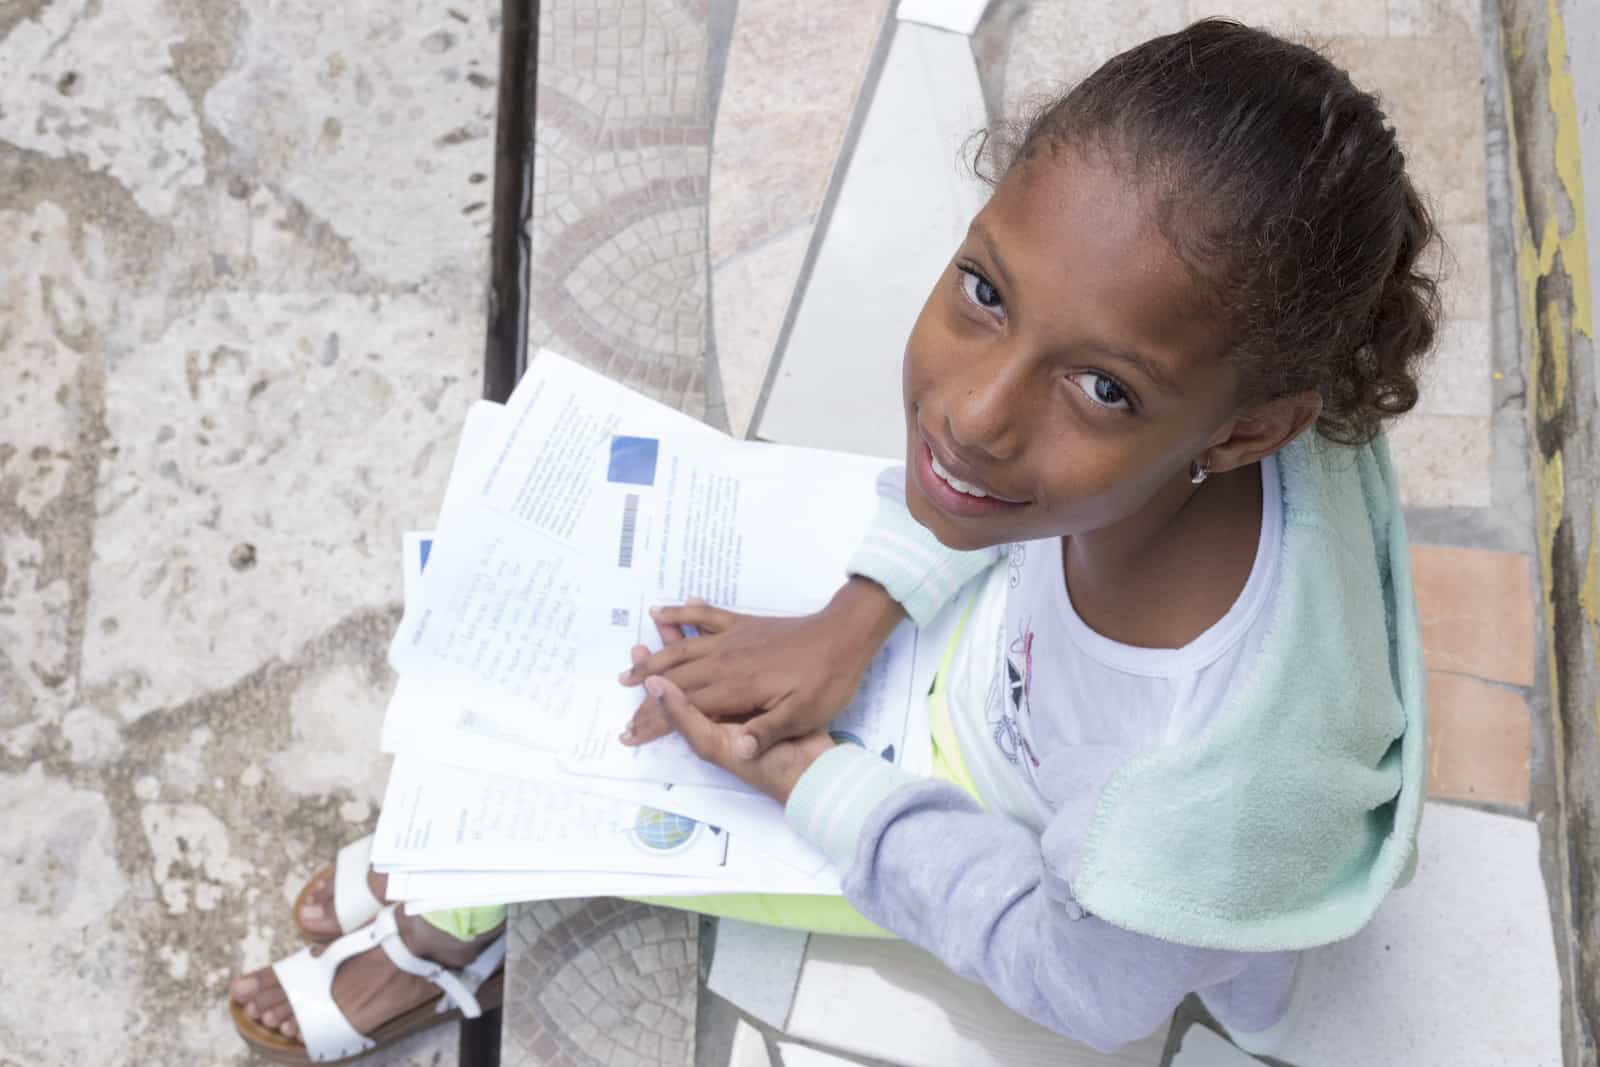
984	417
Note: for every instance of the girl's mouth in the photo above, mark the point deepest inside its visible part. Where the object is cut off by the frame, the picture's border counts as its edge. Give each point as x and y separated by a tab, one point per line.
952	495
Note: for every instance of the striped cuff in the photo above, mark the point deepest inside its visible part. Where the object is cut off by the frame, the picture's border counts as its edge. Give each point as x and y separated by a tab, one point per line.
909	562
836	795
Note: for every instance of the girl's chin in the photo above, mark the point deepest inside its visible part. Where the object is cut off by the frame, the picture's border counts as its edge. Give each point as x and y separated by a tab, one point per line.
960	536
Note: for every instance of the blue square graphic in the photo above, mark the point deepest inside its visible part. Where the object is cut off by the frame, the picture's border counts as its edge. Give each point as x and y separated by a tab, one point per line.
633	460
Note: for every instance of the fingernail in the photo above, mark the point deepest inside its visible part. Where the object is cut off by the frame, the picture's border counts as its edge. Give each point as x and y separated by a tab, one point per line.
625	677
655	612
654	686
746	747
626	735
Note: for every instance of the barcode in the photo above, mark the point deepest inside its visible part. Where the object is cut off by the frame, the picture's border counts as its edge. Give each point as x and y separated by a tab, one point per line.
630	520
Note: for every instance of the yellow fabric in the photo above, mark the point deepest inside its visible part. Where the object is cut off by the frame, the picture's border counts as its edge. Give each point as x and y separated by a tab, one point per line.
466	923
795	911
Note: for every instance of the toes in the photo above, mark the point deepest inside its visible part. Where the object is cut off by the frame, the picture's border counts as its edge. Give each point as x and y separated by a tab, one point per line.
289	1029
243	987
311	912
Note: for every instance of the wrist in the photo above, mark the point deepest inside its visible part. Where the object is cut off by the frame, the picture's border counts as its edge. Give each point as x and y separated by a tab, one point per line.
864	613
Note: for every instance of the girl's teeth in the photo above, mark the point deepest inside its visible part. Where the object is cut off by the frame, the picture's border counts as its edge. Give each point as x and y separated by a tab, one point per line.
954	483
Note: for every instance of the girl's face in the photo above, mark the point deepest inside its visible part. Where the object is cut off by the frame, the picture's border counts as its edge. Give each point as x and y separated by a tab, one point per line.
1066	364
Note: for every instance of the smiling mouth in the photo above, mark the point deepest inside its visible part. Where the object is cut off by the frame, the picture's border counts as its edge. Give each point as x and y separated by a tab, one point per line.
956	495
956	483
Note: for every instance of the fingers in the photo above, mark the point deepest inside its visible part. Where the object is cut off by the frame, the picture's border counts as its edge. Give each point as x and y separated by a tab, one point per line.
696	613
671	633
690	648
648	723
708	740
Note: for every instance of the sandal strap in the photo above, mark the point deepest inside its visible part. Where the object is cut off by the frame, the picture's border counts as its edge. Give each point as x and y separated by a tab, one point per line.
459	987
353	903
307	982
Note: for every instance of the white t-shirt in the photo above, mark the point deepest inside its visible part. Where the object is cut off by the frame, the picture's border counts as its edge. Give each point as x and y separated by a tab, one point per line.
1061	698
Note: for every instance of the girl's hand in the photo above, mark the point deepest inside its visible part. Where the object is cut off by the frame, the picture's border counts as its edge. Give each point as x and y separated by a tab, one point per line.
788	676
774	772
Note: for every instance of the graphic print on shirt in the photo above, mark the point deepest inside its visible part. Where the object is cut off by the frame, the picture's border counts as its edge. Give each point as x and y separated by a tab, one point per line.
1007	721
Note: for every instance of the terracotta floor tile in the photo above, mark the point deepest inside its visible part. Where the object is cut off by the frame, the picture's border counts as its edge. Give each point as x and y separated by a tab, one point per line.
1476	609
1478	741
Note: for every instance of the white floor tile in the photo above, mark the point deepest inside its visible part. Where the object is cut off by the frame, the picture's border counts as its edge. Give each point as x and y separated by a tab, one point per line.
1203	1048
749	297
756	968
960	16
749	1047
1456	380
1459	968
902	209
801	1056
892	1001
1442	459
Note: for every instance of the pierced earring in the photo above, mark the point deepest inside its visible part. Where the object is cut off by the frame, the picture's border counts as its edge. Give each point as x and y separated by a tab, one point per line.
1199	471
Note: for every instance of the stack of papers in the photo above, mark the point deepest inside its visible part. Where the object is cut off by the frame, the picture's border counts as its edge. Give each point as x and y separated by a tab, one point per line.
570	511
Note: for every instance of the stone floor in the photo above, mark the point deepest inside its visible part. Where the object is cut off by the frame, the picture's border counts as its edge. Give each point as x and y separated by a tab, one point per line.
246	325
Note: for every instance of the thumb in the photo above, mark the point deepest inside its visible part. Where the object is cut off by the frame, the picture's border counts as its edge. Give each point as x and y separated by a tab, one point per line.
764	731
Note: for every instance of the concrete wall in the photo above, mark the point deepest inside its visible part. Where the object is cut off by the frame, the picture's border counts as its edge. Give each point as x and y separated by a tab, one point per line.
1553	103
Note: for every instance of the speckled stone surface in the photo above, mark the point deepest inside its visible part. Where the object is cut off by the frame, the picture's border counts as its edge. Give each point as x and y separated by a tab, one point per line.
241	316
600	982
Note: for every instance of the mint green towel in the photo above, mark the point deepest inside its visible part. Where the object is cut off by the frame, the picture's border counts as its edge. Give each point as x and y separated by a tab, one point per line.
1285	823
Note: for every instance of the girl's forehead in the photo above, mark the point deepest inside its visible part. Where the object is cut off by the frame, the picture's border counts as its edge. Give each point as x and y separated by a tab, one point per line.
1080	242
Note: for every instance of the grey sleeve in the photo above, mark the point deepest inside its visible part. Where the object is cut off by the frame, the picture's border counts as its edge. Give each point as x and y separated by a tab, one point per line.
974	889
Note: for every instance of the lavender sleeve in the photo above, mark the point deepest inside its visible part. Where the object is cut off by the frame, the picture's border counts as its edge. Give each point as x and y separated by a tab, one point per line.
923	860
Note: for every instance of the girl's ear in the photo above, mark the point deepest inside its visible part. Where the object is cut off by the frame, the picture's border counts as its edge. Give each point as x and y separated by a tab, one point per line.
1257	432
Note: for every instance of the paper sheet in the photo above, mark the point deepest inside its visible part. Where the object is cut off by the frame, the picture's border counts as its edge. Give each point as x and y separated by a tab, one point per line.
530	625
438	816
568	513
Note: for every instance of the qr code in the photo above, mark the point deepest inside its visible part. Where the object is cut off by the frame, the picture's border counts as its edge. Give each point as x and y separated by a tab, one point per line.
619	616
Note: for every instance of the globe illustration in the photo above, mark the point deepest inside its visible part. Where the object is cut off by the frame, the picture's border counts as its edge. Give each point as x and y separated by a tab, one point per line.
663	831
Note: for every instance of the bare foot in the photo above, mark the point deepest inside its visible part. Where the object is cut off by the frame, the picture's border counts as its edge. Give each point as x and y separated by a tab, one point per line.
368	988
316	915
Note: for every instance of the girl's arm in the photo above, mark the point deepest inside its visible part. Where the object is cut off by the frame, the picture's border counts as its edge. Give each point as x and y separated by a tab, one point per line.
923	860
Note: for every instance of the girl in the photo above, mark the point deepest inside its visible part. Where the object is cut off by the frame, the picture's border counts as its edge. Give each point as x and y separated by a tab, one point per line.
1180	730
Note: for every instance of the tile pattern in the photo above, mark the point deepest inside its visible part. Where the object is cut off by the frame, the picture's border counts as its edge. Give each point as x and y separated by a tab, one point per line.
1476	610
618	227
1479	740
600	983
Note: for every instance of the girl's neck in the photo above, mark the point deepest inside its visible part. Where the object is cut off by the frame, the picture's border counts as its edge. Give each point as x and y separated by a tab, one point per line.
1163	577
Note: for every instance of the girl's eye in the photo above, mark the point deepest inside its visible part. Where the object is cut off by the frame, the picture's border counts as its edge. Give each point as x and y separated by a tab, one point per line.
1103	391
981	291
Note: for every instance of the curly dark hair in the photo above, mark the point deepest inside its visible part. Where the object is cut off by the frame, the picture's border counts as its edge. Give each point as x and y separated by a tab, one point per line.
1283	189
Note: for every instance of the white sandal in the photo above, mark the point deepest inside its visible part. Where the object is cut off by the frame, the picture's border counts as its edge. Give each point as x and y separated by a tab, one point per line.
326	1036
354	906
